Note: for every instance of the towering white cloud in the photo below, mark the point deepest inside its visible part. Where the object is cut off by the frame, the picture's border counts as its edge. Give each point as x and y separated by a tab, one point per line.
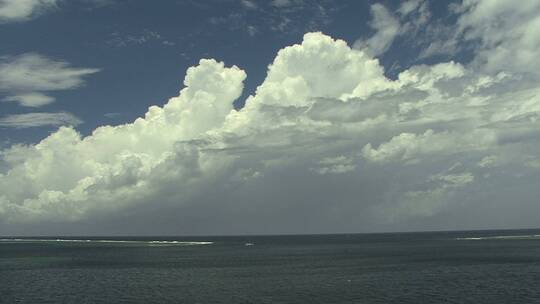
326	133
117	162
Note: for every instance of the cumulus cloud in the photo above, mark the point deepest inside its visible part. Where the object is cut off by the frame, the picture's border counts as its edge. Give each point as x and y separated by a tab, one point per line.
24	77
408	146
385	150
151	147
20	10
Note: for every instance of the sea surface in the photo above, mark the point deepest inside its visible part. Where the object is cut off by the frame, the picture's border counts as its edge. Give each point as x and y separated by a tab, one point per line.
433	267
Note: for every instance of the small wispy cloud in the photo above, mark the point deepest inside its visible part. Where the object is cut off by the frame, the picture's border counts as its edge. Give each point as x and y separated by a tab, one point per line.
335	165
252	30
25	77
387	28
146	36
278	16
248	4
29	120
280	3
286	3
98	3
112	115
33	100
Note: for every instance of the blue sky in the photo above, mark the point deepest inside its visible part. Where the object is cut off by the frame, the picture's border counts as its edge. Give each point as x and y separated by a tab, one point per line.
303	117
142	50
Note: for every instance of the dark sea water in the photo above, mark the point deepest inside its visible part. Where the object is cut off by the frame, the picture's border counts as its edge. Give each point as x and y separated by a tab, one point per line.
443	267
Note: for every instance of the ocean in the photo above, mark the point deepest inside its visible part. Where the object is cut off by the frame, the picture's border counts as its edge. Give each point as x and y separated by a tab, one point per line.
430	267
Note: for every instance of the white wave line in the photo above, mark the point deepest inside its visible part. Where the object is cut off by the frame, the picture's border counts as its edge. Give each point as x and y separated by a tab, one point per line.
106	241
500	237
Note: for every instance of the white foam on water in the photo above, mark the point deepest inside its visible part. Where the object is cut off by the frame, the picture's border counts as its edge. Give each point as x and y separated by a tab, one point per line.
151	242
180	242
501	237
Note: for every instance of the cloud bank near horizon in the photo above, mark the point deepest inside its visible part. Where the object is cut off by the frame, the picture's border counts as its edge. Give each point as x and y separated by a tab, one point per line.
326	143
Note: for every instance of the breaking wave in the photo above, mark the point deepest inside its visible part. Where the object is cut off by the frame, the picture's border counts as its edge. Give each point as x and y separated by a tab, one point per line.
150	242
501	237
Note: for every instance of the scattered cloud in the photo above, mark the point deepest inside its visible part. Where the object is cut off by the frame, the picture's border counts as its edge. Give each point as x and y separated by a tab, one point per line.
99	3
335	165
252	30
277	16
514	35
410	21
286	3
386	27
31	99
146	36
425	203
25	77
488	161
408	146
453	180
21	10
409	6
281	3
248	4
112	115
326	134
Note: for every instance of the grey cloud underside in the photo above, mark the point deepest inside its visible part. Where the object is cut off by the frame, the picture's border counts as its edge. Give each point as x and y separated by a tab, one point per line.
326	144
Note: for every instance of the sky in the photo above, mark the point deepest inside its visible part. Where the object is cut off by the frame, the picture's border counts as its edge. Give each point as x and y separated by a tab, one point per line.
268	117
